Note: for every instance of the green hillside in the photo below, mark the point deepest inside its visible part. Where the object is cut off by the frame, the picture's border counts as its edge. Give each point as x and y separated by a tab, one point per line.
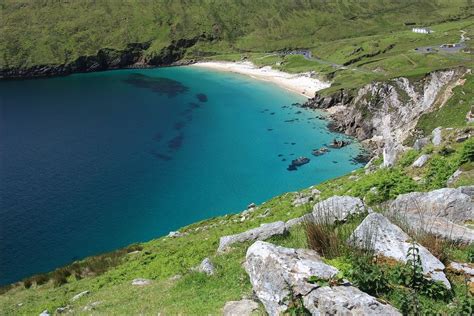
57	32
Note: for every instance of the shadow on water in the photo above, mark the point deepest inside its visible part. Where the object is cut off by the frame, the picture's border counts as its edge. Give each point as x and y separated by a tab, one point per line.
201	97
160	85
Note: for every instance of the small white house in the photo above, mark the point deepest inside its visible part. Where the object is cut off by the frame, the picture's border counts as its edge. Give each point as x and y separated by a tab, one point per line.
422	30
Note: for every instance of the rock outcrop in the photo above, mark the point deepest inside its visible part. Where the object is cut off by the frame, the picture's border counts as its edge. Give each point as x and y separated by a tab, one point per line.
260	233
243	307
381	113
442	212
278	275
339	208
141	282
376	232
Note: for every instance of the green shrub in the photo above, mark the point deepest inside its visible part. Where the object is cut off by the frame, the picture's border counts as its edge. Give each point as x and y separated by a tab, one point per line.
467	151
368	276
439	170
408	158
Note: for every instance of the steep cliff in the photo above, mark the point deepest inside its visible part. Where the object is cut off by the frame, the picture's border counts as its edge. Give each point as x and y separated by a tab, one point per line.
385	114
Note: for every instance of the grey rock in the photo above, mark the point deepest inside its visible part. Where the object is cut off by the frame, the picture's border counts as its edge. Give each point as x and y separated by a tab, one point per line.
276	273
376	232
78	296
437	137
448	203
65	309
421	161
207	267
421	143
462	138
91	306
301	200
175	234
338	208
243	307
299	220
465	268
345	300
260	233
390	154
454	177
141	282
45	313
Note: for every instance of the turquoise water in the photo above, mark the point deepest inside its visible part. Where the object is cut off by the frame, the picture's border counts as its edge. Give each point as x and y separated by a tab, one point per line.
93	162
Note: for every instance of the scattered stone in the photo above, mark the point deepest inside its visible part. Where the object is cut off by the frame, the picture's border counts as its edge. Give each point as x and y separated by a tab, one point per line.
78	296
251	205
454	177
461	139
276	273
64	309
376	232
243	307
133	252
421	143
468	270
45	313
315	192
141	282
260	233
338	208
91	306
176	277
437	138
206	267
421	161
175	234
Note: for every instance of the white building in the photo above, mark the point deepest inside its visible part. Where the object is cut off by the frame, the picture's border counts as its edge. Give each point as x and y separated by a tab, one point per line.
422	30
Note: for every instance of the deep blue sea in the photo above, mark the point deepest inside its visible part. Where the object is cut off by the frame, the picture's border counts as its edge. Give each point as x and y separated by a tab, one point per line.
93	162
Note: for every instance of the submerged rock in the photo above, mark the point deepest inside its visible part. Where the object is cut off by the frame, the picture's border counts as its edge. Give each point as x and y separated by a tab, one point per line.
279	274
243	307
376	232
260	233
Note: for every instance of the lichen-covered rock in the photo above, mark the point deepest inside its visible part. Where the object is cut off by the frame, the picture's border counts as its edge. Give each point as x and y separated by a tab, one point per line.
78	296
141	282
376	232
278	273
260	233
243	307
338	208
437	138
453	204
207	267
421	161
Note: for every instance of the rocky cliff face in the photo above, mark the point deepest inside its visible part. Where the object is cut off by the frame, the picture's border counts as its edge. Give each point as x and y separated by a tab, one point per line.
384	114
132	56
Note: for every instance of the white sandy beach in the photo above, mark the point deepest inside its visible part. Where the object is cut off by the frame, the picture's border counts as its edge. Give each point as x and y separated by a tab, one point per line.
300	83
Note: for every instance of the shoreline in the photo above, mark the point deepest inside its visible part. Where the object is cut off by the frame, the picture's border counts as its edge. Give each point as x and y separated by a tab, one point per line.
301	83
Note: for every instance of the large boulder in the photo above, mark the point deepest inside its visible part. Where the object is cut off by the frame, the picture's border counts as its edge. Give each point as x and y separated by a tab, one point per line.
452	204
260	233
441	212
207	267
243	307
279	274
338	208
377	233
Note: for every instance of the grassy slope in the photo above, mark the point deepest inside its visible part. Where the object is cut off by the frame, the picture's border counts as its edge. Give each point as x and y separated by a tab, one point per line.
195	293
